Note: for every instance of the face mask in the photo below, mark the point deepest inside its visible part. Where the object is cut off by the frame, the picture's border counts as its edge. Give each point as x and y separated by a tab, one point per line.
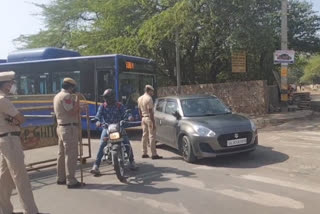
13	89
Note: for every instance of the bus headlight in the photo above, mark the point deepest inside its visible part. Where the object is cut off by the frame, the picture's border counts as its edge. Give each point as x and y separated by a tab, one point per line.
114	136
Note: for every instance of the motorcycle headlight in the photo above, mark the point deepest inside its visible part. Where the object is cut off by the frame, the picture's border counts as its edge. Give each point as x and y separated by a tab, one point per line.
253	126
203	131
114	136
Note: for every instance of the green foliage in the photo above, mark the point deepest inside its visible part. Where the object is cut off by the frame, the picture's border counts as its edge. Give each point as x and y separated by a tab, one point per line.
312	71
297	70
207	30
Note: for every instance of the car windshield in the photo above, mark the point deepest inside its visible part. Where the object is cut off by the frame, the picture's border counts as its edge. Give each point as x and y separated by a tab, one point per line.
209	106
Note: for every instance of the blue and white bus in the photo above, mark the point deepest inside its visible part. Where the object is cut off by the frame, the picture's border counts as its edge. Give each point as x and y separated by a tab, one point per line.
41	71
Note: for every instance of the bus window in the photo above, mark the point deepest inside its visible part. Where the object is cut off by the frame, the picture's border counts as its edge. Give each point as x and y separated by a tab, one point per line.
105	81
26	85
132	86
57	79
33	84
43	84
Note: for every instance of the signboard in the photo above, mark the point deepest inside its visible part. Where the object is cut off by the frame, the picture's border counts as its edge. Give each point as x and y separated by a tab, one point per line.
239	62
284	97
284	56
130	65
38	136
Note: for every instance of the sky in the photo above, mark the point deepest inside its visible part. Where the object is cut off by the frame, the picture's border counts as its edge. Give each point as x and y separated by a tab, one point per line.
19	17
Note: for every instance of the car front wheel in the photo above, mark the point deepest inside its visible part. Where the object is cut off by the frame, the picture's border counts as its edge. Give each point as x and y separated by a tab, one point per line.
186	150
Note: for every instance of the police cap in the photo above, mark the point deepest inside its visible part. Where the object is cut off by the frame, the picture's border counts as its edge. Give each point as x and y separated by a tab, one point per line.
70	80
148	87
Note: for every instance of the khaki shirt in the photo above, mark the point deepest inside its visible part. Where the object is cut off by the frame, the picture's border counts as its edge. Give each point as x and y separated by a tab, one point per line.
63	103
7	109
145	103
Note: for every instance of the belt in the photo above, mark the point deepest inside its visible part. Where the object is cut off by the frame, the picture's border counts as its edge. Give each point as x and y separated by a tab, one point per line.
10	134
69	124
145	116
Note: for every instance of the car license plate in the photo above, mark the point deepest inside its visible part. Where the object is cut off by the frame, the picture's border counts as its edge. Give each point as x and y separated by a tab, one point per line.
236	142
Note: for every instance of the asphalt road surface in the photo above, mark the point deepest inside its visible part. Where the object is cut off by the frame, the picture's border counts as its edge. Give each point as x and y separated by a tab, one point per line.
281	176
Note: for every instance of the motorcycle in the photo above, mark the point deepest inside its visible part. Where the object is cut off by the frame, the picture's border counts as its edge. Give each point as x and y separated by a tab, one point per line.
116	151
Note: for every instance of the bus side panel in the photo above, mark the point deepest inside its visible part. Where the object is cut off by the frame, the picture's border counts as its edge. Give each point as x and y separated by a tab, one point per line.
40	117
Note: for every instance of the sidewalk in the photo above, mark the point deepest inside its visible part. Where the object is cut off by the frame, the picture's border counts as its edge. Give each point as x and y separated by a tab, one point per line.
279	118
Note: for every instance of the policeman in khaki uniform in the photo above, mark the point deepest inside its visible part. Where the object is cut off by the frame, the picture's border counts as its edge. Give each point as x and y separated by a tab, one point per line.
12	169
67	114
145	104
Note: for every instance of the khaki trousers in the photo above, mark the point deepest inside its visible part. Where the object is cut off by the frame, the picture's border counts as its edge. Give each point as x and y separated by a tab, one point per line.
148	135
68	153
14	174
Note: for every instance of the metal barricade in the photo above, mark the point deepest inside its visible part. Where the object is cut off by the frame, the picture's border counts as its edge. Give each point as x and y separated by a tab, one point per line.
40	129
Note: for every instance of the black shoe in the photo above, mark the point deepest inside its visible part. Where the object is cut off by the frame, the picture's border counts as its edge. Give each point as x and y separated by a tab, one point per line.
76	185
61	182
145	156
156	157
17	213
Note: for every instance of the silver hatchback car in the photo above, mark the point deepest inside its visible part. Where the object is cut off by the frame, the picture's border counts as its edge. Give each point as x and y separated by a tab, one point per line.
202	127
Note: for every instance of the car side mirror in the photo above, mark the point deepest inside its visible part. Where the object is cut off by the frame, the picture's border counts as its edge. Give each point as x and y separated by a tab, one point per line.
177	115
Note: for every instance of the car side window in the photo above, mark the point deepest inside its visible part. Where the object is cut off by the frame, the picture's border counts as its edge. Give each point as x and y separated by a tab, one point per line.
171	107
160	105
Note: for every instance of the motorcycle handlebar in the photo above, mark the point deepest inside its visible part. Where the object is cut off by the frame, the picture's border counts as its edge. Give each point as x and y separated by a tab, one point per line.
122	123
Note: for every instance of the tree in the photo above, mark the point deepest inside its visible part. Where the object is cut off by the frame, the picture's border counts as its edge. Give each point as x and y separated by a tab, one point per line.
312	71
208	31
296	70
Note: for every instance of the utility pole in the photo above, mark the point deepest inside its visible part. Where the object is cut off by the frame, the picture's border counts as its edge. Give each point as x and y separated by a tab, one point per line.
284	46
178	63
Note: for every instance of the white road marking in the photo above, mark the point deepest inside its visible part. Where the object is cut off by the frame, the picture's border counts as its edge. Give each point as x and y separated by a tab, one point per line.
254	196
263	198
185	181
282	169
249	195
166	207
209	168
313	189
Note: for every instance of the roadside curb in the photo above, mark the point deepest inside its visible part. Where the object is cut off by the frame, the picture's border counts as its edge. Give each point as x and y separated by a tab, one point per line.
280	118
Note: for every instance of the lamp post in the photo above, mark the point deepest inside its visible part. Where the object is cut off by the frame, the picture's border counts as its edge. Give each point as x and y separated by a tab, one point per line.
284	46
178	63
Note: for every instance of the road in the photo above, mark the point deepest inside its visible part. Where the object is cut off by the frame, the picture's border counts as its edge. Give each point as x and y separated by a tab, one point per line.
281	176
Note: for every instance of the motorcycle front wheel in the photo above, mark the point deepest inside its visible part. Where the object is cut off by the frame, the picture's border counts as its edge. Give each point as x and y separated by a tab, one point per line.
118	163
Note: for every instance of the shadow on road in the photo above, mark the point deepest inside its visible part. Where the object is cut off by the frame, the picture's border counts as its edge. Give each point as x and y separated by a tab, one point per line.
145	179
262	156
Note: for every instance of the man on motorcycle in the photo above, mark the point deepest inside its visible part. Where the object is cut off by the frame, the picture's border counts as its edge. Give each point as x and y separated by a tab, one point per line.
110	112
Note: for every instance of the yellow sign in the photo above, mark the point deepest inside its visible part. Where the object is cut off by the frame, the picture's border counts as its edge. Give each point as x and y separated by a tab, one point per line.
239	62
284	97
284	71
38	136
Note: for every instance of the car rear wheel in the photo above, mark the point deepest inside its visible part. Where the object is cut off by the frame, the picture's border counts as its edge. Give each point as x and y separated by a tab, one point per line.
186	150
